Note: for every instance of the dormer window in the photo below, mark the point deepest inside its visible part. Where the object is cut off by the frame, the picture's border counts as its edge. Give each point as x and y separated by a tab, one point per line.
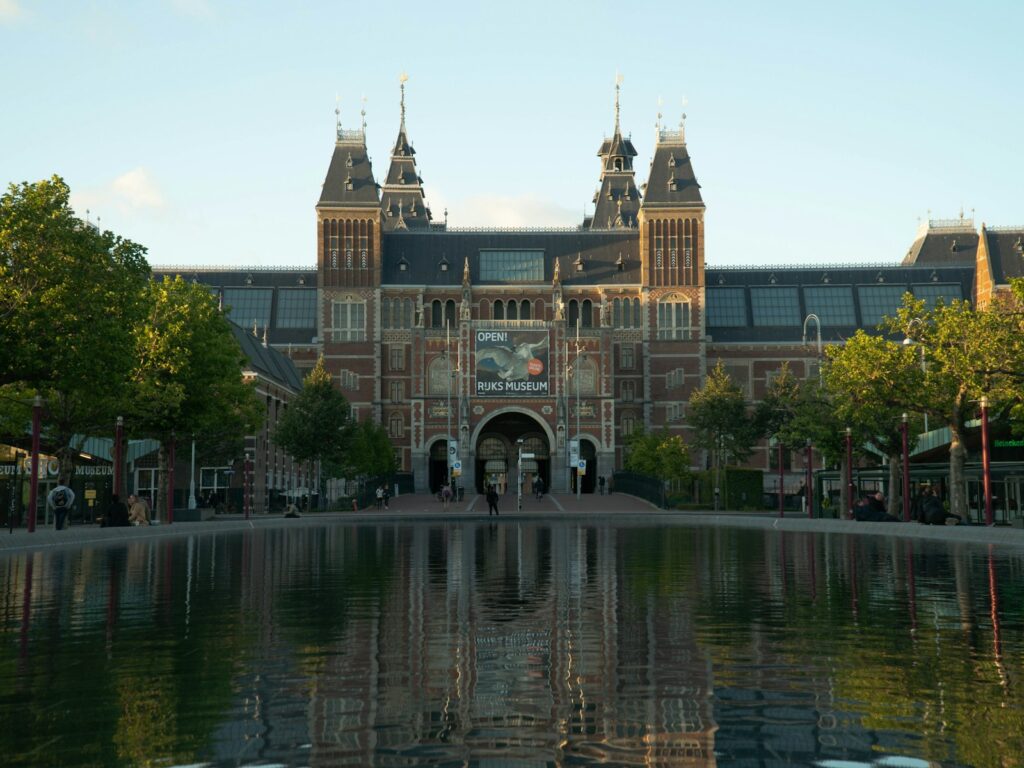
348	160
953	247
880	277
618	163
672	160
579	263
1019	246
403	265
672	182
620	263
443	265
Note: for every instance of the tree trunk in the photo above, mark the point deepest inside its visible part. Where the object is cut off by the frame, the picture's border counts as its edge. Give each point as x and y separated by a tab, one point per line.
957	454
160	502
894	501
842	512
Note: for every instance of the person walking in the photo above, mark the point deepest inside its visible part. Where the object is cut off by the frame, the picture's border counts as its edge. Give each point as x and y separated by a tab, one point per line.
380	497
538	487
446	495
386	497
492	500
60	500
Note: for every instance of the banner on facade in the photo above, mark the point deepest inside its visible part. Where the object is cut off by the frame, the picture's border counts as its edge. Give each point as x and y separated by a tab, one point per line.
512	363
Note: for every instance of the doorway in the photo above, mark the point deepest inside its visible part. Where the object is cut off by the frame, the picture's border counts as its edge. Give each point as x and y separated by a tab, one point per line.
497	453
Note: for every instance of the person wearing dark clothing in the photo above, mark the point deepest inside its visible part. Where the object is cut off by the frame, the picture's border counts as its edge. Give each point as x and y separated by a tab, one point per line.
117	513
492	501
871	509
538	487
60	499
933	513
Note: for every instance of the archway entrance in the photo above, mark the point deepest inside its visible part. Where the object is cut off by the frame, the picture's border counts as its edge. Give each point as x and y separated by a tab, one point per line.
588	451
497	451
438	465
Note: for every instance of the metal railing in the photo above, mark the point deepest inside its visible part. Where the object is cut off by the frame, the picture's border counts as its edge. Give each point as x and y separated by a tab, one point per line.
644	486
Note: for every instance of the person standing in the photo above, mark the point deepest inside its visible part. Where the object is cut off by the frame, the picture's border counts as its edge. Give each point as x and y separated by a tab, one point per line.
386	497
60	500
492	500
446	494
138	512
380	497
600	485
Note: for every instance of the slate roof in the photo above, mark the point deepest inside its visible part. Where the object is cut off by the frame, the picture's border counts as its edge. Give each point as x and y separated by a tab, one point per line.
1006	252
944	244
349	181
617	200
423	253
402	199
787	293
267	361
671	181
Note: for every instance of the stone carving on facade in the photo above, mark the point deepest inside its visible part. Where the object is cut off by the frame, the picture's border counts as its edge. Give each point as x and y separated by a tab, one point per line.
606	312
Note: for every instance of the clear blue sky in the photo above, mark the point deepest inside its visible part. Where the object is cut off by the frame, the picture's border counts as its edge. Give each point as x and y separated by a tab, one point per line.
203	129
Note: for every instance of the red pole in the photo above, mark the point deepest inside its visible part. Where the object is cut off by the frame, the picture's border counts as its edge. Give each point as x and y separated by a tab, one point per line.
246	491
170	480
986	463
782	478
810	479
906	470
118	453
849	470
33	490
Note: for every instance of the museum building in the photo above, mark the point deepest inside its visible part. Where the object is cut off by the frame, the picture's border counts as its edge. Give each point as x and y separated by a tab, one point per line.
508	341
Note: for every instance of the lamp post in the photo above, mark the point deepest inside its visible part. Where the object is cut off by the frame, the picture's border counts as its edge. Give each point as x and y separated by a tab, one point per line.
904	428
579	442
909	341
810	480
782	479
519	475
118	453
192	478
817	326
33	489
170	480
448	409
246	489
849	470
986	464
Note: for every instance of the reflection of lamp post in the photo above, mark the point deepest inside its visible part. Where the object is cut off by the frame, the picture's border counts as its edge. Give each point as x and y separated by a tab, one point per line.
782	479
986	465
118	456
579	442
908	342
33	489
448	434
906	469
810	480
519	472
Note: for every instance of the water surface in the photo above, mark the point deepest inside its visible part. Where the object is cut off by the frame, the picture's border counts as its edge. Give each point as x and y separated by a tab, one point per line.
512	644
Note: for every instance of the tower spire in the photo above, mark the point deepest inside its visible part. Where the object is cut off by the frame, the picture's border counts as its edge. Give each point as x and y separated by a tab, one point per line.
337	114
618	85
401	85
362	114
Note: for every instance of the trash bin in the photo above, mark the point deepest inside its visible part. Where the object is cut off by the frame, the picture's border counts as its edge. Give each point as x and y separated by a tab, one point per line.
460	491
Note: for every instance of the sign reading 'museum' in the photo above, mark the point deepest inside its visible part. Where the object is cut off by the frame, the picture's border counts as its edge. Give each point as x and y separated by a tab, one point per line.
512	363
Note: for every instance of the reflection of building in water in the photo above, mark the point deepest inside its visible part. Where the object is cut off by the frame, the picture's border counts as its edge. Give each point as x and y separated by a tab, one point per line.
519	643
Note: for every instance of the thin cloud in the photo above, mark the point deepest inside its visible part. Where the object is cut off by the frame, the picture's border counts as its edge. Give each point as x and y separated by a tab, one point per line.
10	11
200	9
132	191
500	211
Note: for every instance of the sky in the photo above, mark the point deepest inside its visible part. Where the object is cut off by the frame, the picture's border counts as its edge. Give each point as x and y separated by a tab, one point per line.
819	132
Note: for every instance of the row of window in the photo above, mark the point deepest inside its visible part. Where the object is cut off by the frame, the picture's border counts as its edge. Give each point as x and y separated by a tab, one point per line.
833	304
296	307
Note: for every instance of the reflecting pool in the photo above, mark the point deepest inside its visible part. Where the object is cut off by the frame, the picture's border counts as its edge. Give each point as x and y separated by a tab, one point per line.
513	644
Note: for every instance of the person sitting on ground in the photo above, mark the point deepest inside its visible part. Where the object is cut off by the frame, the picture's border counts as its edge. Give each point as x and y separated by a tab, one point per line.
291	510
934	513
138	512
117	513
871	509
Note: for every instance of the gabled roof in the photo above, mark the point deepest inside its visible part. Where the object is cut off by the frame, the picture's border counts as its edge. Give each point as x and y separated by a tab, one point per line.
1006	252
267	361
671	181
349	181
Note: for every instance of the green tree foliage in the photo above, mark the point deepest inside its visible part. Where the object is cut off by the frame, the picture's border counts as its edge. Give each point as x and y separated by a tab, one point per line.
187	377
69	297
718	414
658	454
371	453
775	414
316	427
872	381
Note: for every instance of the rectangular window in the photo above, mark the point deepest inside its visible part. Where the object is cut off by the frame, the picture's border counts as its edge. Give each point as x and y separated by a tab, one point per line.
397	392
628	424
363	249
628	391
248	306
348	249
948	292
626	356
349	321
726	307
348	380
512	266
878	301
398	358
296	308
832	304
775	306
673	320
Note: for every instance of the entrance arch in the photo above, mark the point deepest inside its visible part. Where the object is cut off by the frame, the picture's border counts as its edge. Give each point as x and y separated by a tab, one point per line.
495	444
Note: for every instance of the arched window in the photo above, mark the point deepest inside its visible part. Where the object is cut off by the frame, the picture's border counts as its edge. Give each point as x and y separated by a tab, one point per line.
499	310
449	313
436	319
618	163
587	314
407	313
574	312
617	314
385	313
524	310
637	318
512	311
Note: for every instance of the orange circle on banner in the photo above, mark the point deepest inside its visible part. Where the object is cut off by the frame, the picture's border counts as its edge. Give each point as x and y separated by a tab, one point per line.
535	367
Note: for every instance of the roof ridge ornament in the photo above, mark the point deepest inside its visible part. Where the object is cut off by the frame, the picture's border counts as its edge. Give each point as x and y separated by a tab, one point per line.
402	78
362	114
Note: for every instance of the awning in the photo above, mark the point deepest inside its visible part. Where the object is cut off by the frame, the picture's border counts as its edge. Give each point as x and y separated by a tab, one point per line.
495	465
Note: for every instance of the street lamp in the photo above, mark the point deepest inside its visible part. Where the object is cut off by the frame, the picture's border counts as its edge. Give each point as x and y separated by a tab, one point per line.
906	469
579	442
810	480
817	326
986	464
192	478
448	434
849	470
908	341
782	479
519	472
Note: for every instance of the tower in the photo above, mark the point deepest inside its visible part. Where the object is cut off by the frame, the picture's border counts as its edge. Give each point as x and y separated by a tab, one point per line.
403	202
617	200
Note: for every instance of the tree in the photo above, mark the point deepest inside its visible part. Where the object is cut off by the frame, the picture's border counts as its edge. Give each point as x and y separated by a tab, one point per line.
370	453
316	427
658	454
872	380
69	298
188	373
720	419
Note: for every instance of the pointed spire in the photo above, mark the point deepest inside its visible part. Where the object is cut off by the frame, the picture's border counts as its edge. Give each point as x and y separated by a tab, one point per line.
465	273
618	85
337	114
362	114
401	84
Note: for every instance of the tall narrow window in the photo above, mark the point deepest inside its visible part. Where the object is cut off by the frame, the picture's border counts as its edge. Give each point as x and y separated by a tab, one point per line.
617	313
406	313
673	251
499	310
349	320
436	314
397	358
659	250
628	391
512	311
348	249
524	310
574	313
449	313
396	425
673	318
587	314
637	317
397	391
334	244
385	313
626	356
